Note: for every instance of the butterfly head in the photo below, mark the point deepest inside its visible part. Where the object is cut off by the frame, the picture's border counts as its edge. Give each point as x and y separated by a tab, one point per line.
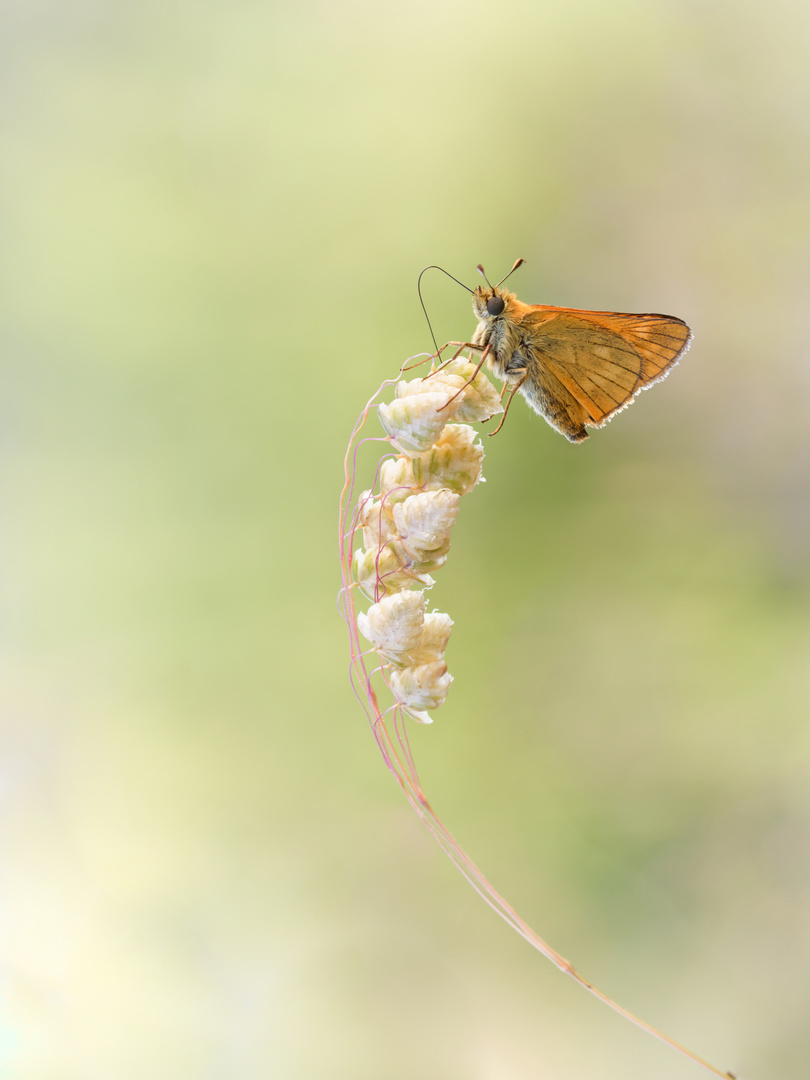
490	303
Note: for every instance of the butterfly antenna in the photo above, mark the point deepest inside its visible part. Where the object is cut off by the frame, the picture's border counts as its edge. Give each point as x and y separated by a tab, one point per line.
519	262
422	302
480	270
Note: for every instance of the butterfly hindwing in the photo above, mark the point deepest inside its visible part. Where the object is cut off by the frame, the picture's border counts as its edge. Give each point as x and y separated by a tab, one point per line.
551	399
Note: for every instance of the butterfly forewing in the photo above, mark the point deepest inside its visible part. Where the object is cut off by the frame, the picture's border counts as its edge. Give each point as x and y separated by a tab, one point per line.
602	359
658	339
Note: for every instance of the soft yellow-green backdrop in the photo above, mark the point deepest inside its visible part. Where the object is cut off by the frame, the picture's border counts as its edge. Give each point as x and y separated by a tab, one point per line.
213	216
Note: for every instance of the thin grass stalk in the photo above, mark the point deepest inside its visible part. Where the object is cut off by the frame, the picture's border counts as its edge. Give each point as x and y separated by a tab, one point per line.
388	729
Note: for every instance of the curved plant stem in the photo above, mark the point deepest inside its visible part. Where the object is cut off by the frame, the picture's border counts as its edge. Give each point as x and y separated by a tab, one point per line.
389	732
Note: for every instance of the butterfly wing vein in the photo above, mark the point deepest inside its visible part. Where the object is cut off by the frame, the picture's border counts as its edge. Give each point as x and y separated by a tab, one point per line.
583	372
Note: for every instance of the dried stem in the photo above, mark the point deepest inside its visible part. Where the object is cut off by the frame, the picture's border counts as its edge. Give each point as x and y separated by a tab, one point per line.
389	732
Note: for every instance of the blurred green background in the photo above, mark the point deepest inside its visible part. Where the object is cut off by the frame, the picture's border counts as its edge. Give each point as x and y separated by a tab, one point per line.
213	216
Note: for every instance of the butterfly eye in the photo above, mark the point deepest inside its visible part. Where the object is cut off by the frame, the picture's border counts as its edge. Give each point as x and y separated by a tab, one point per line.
495	305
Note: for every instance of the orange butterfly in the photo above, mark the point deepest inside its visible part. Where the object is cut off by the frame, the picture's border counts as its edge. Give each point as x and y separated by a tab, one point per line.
577	369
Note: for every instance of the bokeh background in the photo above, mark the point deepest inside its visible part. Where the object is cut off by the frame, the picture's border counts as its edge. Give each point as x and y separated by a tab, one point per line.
213	216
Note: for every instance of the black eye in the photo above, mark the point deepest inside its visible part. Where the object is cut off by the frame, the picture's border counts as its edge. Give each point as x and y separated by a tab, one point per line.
495	305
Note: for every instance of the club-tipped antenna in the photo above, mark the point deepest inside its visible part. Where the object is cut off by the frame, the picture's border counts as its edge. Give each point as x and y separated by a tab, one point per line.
480	270
518	263
422	302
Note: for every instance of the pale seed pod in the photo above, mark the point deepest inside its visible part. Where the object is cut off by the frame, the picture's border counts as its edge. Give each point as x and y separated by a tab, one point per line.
419	715
422	562
455	461
375	518
383	571
443	381
395	625
397	480
434	638
414	423
423	521
424	686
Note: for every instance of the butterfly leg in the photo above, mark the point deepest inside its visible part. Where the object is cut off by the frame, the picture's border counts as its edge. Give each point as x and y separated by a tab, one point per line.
467	383
410	367
462	345
503	390
515	389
